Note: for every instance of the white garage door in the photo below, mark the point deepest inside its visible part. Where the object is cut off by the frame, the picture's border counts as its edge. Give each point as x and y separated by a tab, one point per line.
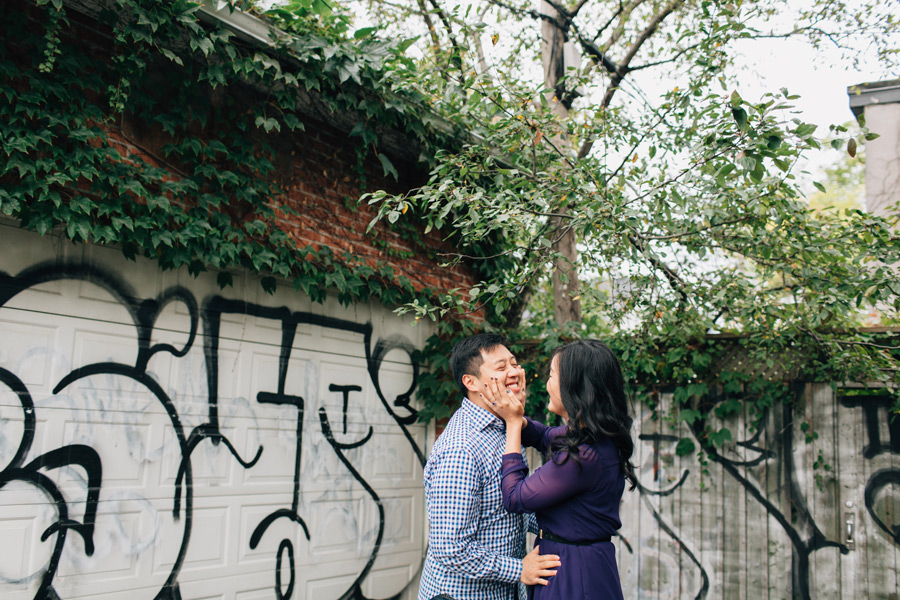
163	438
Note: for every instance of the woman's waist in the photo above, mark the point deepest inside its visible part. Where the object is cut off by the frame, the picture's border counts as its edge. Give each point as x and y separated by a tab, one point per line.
584	532
546	534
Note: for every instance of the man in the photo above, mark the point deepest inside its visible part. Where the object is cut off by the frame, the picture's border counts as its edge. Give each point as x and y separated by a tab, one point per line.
476	548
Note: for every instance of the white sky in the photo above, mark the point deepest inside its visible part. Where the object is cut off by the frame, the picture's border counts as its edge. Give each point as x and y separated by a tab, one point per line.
820	77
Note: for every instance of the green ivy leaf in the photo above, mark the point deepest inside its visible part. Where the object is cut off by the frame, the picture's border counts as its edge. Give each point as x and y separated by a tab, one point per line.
685	447
689	415
364	32
388	167
720	437
269	285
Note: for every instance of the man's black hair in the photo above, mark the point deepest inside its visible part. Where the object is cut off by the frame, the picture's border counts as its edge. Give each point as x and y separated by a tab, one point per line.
466	357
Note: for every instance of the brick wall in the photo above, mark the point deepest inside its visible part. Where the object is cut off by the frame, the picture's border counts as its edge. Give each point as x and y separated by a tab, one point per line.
318	169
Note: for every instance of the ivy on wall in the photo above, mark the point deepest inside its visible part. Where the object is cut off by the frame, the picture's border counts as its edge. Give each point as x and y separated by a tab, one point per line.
213	111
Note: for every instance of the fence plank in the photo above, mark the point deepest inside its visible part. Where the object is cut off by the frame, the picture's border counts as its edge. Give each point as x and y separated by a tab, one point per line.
850	472
881	551
756	523
780	551
823	510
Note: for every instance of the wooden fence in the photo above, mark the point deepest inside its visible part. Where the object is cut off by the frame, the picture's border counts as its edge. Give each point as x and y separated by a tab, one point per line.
807	505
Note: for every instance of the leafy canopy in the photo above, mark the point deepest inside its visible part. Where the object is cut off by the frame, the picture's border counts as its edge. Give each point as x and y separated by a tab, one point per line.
692	234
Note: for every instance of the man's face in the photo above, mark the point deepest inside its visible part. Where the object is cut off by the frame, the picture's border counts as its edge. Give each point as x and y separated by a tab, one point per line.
499	363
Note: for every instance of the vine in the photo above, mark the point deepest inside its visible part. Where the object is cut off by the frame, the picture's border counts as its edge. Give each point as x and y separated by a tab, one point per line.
210	111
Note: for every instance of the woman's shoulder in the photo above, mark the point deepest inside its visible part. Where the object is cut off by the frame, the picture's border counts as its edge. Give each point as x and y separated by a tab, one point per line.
601	453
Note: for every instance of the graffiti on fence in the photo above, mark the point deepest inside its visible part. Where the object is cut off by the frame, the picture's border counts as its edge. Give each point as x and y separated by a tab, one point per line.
882	482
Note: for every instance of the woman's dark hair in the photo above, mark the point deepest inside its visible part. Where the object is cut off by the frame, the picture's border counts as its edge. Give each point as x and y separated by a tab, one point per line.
592	391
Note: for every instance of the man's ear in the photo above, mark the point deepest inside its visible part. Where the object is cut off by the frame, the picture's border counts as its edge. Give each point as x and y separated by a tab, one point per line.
471	383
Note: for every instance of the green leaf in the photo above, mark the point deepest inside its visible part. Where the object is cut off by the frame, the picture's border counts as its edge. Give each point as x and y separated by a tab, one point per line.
323	8
224	279
388	166
804	130
740	117
364	32
172	56
718	438
685	447
689	415
269	285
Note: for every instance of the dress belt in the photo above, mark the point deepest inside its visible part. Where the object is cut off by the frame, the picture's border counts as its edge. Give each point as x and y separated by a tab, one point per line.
546	535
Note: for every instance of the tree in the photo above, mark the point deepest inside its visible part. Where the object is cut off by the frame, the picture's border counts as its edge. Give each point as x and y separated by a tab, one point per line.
683	206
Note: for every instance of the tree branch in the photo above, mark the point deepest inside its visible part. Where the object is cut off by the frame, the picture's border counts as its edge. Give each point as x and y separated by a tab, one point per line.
578	7
675	282
479	49
530	12
675	236
443	17
622	67
429	23
624	13
663	62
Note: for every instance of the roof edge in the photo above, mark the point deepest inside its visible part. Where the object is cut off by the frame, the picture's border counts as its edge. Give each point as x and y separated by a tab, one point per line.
862	95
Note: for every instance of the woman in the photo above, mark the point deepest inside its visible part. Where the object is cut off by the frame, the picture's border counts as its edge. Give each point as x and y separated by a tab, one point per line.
575	495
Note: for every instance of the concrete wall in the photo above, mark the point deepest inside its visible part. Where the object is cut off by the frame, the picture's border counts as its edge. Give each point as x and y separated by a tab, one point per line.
163	438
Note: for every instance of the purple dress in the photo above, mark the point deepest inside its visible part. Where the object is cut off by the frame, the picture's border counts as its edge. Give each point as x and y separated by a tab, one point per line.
576	503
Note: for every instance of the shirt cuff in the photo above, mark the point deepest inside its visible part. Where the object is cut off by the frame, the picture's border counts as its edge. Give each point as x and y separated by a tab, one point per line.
509	569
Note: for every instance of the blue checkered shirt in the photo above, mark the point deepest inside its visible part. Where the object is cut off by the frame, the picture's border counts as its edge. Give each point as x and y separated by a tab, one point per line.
475	547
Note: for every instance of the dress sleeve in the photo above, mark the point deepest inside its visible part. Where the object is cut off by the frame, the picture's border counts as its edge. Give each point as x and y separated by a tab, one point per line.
537	435
454	507
547	486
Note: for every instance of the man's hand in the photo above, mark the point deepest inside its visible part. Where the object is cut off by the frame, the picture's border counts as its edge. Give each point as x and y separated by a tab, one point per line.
536	568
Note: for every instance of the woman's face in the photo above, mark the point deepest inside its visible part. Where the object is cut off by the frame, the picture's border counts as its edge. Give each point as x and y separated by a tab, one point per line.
556	405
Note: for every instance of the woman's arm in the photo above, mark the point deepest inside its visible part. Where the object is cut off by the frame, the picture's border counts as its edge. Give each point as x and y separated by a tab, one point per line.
537	435
547	486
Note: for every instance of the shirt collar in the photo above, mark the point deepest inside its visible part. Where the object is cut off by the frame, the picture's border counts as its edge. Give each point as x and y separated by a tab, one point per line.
481	417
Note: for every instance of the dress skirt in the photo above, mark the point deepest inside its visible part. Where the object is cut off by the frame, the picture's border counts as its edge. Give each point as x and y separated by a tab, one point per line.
585	573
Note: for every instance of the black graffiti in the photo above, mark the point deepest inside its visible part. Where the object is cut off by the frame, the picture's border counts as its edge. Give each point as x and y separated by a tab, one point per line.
144	313
345	391
355	590
801	528
657	439
285	546
872	406
30	473
878	482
